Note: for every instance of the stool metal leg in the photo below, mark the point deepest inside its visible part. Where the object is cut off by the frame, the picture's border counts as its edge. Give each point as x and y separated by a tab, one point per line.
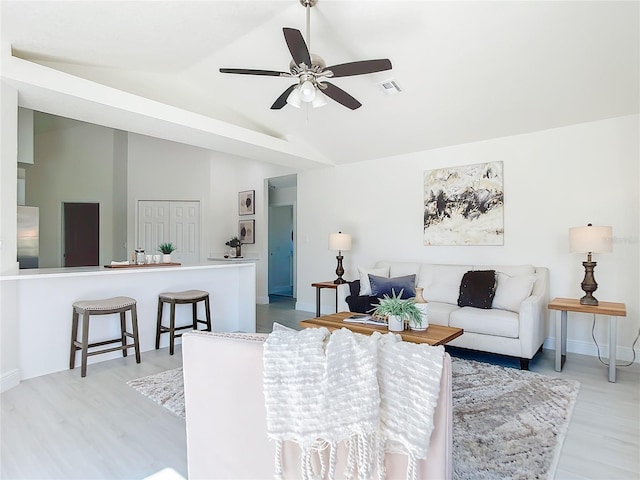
74	338
134	325
85	343
207	312
159	323
172	326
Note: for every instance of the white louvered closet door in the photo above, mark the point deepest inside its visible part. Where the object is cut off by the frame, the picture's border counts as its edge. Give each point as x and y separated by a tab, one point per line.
177	222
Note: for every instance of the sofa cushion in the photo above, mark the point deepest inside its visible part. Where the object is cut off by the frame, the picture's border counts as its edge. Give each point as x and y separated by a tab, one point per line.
403	286
439	312
441	283
400	269
477	289
511	270
500	323
365	286
512	291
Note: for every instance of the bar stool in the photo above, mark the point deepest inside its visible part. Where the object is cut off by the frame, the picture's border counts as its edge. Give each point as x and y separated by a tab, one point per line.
177	298
107	306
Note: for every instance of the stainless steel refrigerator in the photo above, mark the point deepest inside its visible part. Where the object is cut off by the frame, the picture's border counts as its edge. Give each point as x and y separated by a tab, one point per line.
28	236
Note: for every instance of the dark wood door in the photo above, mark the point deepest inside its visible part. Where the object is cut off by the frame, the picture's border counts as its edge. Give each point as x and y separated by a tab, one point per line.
81	234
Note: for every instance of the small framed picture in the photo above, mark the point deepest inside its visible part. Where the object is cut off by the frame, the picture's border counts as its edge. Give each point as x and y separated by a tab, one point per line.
246	202
246	231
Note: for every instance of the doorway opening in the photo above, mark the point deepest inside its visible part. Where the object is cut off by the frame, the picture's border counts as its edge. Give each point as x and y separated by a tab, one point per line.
282	238
81	227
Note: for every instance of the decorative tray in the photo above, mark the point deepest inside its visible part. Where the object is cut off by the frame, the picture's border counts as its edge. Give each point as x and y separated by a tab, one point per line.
172	264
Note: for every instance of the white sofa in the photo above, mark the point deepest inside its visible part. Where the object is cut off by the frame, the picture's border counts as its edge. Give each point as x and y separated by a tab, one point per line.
514	326
226	417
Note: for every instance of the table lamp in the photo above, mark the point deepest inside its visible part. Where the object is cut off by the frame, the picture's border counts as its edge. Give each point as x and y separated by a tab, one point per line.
589	240
340	242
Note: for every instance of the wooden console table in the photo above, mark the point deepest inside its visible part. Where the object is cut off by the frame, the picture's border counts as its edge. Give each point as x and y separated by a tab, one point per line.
564	305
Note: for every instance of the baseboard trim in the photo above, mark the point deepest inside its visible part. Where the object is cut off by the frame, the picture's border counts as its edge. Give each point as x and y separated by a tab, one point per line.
262	300
624	354
306	307
9	380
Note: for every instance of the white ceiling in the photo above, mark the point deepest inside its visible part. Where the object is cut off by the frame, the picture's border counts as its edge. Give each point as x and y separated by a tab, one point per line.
468	70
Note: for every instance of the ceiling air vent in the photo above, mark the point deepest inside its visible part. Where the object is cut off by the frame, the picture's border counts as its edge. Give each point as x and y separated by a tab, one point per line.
390	87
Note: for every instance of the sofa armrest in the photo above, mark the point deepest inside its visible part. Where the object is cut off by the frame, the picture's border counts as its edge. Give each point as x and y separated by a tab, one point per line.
343	293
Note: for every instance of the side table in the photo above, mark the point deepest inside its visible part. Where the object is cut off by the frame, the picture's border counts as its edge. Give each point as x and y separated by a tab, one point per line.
564	305
319	286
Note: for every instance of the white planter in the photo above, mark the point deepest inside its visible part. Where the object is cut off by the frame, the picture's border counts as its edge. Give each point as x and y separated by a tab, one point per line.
395	323
423	307
166	258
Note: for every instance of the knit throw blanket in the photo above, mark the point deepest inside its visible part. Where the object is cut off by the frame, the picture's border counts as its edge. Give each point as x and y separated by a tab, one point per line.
376	393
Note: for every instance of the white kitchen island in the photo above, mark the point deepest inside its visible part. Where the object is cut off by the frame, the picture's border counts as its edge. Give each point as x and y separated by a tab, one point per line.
44	298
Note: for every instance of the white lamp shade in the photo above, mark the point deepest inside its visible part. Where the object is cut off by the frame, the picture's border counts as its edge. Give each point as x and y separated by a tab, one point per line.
339	241
590	239
307	91
319	100
294	98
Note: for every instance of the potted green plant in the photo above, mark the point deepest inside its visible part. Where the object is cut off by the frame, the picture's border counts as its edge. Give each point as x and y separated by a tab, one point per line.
236	243
397	310
166	249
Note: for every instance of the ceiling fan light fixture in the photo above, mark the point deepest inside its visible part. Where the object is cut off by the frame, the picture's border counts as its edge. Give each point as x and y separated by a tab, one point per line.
294	98
307	91
319	100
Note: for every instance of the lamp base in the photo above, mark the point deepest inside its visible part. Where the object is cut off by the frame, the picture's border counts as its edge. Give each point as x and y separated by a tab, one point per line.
589	284
339	271
589	299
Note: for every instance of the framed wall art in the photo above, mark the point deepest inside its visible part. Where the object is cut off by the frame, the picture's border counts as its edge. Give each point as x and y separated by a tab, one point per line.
246	231
464	205
246	202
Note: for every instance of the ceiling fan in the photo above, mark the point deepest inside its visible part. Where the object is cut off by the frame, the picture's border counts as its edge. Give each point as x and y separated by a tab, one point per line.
311	72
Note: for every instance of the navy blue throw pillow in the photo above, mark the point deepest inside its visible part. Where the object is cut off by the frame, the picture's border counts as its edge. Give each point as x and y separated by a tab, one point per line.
381	286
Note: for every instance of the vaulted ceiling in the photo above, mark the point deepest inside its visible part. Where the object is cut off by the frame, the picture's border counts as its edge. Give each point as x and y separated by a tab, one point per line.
468	71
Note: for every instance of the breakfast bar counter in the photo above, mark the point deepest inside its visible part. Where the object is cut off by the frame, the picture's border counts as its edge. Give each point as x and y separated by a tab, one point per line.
44	297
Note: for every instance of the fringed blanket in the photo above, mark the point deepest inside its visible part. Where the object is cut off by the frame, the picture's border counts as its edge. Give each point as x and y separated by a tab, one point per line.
376	393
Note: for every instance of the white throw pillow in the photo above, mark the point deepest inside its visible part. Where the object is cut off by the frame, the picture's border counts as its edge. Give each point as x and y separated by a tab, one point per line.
365	285
512	291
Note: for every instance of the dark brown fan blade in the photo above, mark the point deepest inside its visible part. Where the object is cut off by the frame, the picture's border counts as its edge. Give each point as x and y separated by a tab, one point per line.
360	68
281	101
340	96
297	46
249	71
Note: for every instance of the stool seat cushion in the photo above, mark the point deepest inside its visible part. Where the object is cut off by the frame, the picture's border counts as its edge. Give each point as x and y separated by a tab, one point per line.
186	295
104	304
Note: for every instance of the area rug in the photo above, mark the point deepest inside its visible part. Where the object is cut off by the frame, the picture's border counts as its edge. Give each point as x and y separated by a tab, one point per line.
507	423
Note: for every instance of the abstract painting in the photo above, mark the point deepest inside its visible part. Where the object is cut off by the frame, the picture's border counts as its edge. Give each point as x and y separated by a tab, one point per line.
246	203
246	231
464	205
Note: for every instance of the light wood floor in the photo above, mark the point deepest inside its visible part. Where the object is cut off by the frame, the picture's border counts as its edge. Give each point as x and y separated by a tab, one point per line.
64	427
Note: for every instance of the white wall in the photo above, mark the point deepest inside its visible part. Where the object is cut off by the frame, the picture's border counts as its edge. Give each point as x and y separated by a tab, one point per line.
164	170
9	365
554	179
72	164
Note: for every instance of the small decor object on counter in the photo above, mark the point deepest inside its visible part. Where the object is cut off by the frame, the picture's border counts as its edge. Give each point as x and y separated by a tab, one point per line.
394	306
236	243
139	256
166	249
246	203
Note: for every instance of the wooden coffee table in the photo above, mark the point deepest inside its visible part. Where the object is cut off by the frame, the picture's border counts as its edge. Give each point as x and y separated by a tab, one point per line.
433	335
